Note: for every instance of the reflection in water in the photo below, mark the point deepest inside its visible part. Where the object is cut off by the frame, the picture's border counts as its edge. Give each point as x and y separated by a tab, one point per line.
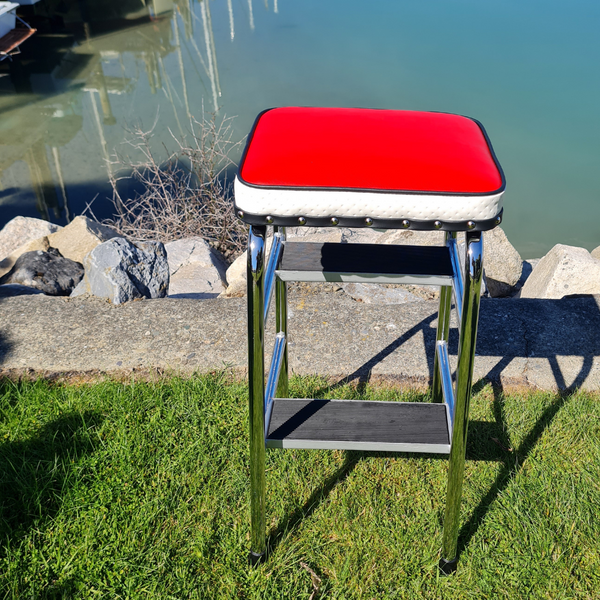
94	49
147	61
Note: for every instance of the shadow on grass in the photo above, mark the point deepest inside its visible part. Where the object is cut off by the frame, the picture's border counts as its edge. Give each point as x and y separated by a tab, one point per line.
276	535
487	441
36	473
513	459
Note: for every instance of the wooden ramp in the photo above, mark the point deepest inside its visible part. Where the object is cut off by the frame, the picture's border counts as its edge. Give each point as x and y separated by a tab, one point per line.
13	39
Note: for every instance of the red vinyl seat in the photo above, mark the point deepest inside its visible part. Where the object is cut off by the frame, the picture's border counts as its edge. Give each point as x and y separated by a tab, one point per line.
365	167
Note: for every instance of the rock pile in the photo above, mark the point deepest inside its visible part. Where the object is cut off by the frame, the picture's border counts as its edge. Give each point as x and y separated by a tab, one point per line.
86	257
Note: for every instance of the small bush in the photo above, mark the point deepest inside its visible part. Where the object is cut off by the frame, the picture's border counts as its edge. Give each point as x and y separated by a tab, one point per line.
186	195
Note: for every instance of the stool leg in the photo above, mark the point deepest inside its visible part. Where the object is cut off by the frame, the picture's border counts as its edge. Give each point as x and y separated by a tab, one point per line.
443	330
464	376
281	327
256	384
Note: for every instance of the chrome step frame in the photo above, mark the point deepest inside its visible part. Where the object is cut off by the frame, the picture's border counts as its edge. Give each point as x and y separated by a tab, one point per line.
325	262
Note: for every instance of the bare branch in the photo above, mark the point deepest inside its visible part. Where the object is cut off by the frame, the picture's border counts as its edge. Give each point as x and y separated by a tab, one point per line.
184	195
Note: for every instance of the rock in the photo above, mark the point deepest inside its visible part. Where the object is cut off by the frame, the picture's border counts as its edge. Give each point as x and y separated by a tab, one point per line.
361	235
596	253
48	272
21	230
315	234
528	267
122	271
236	274
32	246
502	264
235	277
79	237
373	293
413	238
564	271
196	270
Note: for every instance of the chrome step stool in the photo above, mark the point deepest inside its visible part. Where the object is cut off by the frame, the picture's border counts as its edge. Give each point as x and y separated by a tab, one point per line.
328	167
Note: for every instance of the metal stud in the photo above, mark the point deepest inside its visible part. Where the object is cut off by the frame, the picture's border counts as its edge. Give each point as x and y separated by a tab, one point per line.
437	224
240	214
369	222
471	224
302	220
406	223
498	220
270	219
335	221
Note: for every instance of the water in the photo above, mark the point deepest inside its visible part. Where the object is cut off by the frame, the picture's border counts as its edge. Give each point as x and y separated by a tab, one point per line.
527	70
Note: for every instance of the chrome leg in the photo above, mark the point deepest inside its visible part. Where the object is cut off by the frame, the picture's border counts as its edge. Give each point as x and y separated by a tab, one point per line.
281	326
443	329
256	384
464	376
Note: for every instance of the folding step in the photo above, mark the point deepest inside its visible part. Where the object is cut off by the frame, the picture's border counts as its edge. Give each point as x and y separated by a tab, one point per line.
310	261
359	425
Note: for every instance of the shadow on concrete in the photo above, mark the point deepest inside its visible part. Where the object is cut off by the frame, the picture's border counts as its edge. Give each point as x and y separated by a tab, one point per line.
510	329
546	329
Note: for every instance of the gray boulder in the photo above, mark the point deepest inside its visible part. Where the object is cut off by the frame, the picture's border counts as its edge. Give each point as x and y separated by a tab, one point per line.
315	234
596	253
48	272
122	271
503	265
21	230
564	271
373	293
196	270
403	237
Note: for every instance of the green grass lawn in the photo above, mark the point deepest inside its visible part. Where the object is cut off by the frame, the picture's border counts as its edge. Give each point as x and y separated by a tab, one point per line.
141	491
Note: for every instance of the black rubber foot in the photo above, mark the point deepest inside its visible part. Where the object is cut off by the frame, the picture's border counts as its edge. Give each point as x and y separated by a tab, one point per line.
254	558
447	567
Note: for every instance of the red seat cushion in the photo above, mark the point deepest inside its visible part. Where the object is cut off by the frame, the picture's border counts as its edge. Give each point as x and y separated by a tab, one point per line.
352	148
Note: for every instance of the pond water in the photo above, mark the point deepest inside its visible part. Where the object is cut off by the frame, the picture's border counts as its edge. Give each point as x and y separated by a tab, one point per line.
527	69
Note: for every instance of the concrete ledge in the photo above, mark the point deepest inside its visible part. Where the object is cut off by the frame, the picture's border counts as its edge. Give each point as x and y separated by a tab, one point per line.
542	344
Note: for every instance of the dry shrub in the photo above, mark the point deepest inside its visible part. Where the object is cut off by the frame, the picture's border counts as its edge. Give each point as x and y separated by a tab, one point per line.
186	195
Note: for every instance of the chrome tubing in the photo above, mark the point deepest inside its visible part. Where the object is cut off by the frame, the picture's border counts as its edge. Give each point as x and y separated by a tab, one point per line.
457	279
274	256
464	376
273	379
441	353
443	326
443	331
256	389
281	323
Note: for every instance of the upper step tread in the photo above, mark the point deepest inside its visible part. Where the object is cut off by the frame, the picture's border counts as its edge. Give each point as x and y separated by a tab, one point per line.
366	258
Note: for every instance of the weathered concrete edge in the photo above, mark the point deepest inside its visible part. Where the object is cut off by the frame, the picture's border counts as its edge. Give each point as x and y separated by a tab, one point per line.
523	344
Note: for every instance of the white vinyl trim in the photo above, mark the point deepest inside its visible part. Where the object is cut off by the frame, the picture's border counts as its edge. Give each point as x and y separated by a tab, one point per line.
377	205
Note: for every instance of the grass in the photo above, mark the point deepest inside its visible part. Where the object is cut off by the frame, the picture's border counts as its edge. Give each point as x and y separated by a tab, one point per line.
140	490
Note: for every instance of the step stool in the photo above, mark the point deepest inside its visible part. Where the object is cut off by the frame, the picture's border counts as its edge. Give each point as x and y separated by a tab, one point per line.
338	167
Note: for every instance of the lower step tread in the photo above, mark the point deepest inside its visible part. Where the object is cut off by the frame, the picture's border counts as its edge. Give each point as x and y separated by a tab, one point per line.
361	425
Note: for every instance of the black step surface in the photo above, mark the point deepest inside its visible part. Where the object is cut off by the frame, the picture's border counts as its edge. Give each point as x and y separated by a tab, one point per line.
366	258
400	426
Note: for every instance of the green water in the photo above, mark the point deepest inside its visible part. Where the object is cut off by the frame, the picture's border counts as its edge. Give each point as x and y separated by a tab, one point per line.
528	70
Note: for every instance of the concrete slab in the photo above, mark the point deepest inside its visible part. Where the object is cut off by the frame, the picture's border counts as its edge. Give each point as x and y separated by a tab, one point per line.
543	344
